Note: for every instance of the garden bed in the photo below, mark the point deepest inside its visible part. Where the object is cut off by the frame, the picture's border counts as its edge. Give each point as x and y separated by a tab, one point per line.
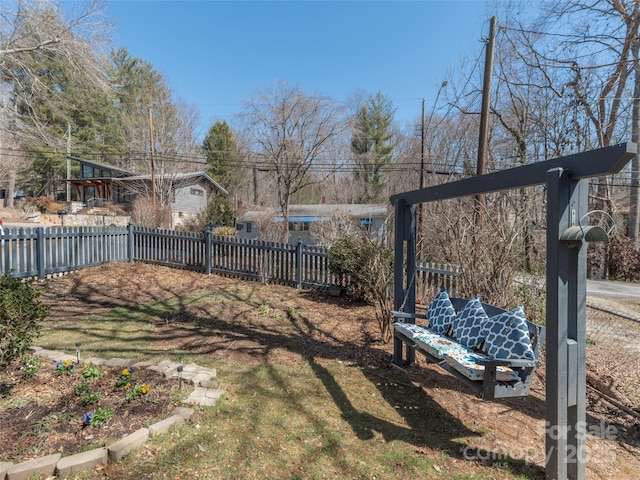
58	410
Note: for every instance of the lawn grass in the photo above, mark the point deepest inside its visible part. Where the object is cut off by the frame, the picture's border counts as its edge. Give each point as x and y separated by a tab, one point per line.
319	419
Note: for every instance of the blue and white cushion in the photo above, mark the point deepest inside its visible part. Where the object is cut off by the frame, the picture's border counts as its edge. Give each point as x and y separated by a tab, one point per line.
507	336
409	330
441	312
468	324
436	345
467	364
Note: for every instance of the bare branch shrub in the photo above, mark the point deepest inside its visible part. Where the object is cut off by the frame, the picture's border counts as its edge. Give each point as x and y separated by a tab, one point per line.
145	214
624	259
270	230
369	264
489	257
339	225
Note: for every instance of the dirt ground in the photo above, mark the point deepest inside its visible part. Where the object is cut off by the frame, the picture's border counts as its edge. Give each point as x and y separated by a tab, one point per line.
336	328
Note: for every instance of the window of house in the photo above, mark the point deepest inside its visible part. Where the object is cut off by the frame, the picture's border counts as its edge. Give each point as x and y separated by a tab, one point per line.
299	226
197	192
122	194
248	227
87	171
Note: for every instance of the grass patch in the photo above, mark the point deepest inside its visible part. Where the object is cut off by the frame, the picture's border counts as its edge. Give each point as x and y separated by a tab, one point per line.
313	420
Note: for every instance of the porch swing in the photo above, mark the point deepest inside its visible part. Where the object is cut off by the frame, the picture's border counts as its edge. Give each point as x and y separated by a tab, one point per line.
491	350
566	183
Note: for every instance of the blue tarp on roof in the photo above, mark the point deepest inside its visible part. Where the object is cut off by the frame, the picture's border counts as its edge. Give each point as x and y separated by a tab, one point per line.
301	219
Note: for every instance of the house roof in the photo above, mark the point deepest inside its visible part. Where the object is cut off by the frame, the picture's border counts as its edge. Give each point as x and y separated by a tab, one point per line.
313	212
102	166
131	176
176	177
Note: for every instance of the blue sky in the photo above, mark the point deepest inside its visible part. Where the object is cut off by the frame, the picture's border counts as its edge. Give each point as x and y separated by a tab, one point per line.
214	54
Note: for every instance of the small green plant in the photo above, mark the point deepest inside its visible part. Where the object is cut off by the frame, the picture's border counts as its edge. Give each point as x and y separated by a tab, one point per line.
91	371
97	417
82	388
21	313
125	378
30	365
263	310
136	392
65	368
90	398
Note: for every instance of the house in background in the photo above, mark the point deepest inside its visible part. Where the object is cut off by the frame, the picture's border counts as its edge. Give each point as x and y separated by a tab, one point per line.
372	217
98	184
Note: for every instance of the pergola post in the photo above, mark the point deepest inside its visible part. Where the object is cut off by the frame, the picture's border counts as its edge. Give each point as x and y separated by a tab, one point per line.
404	295
566	330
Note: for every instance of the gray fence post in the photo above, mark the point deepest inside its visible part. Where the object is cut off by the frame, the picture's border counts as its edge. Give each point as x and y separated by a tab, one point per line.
299	263
130	243
40	252
207	250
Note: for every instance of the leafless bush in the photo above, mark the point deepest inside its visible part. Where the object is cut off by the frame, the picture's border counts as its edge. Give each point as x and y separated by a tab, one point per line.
624	259
369	264
488	252
270	230
339	225
145	214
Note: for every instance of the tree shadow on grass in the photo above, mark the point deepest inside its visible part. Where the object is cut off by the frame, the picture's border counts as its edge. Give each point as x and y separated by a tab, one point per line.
231	325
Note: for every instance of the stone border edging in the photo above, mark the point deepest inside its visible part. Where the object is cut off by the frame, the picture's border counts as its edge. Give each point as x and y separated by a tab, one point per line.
205	393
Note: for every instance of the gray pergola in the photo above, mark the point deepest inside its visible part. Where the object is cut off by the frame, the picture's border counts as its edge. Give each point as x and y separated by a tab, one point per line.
566	179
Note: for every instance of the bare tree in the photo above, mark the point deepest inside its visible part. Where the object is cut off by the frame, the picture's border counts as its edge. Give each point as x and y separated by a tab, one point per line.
292	134
585	57
41	29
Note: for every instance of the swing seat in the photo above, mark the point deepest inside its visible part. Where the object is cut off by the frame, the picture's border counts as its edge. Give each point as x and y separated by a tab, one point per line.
495	351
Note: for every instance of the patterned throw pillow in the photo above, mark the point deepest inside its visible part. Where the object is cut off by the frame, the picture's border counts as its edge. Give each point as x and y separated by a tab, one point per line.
469	322
507	336
441	312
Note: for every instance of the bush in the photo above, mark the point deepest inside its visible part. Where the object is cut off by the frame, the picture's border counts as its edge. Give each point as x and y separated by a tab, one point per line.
369	267
624	259
20	315
217	212
226	232
145	214
43	204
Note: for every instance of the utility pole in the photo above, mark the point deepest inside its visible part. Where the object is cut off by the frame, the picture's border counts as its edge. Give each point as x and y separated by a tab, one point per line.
483	140
153	163
68	163
421	211
423	130
634	188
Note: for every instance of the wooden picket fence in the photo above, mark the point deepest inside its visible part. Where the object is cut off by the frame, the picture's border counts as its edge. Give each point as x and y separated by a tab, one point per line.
42	252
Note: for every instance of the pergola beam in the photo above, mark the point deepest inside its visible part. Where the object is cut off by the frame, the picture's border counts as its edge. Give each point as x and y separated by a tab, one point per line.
594	163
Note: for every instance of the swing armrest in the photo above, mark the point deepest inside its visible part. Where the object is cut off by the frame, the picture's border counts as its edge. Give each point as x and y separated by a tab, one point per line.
402	315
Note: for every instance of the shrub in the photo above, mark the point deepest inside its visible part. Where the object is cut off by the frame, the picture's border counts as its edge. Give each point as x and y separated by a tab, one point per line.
624	259
21	312
369	266
145	213
217	212
226	232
